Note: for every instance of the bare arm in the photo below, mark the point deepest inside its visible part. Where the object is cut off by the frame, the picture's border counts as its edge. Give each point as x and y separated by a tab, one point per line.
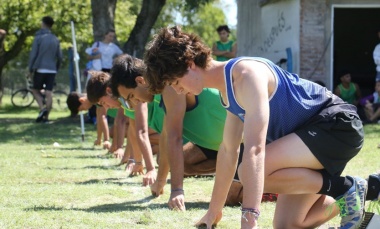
248	85
358	94
175	111
225	168
101	124
337	91
142	132
119	133
232	54
217	52
255	131
163	164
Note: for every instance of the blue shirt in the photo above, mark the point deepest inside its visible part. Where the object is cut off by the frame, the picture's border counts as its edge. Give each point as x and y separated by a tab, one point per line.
293	102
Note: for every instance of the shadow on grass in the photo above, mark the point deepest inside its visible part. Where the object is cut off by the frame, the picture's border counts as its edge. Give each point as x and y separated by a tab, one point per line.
26	129
116	181
78	148
120	207
98	156
101	167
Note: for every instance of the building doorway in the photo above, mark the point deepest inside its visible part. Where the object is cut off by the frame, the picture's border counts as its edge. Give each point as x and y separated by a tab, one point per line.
355	37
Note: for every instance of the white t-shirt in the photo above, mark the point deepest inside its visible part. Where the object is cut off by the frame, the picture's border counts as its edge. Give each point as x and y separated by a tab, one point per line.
376	57
108	51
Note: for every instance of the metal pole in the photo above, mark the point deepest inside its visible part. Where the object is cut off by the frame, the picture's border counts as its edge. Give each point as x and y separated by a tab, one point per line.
76	61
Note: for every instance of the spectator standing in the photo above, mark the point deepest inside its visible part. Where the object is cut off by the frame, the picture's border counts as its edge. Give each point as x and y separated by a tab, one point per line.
105	50
44	62
224	49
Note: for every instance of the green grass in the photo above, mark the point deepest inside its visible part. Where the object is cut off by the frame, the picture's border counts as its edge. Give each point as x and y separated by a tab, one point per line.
79	186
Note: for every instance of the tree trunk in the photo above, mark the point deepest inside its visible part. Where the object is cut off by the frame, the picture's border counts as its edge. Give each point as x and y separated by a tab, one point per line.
145	20
103	14
2	55
6	56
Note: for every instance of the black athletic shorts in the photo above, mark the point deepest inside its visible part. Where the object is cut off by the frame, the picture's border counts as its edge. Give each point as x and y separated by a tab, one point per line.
236	177
209	153
334	137
40	79
212	154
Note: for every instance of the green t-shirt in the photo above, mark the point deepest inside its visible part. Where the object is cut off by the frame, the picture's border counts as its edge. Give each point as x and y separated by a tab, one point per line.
155	113
348	95
112	112
203	125
224	46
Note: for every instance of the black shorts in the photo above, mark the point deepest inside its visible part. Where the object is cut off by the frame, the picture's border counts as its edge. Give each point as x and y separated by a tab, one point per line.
333	137
236	177
209	153
40	79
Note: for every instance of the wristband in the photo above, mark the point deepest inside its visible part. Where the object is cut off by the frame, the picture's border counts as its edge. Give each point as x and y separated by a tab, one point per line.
253	211
178	190
131	160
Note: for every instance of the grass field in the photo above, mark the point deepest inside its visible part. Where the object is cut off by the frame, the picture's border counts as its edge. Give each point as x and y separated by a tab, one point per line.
78	186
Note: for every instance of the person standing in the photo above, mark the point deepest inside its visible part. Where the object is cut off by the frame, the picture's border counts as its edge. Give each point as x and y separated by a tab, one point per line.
376	57
105	50
224	49
44	62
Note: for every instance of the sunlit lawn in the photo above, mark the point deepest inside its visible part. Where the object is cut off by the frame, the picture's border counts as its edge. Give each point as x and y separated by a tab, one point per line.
78	186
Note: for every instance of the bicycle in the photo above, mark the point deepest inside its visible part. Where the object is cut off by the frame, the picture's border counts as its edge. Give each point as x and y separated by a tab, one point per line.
24	97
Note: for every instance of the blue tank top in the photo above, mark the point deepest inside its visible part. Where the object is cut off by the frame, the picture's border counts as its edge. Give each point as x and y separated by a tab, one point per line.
293	102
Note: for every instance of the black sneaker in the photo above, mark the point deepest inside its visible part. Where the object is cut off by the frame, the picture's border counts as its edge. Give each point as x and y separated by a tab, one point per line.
375	178
41	115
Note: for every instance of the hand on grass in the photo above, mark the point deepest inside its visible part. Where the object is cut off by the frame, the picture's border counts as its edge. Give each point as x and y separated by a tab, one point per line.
177	201
119	153
209	220
107	145
138	169
157	188
150	177
97	142
129	167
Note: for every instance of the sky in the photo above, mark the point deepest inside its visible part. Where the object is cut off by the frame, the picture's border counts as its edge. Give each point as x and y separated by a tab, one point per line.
230	10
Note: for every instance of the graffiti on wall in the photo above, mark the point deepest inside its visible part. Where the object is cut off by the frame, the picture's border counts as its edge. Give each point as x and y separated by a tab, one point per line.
275	32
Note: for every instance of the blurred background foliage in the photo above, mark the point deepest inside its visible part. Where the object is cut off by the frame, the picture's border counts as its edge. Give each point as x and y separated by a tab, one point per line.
22	18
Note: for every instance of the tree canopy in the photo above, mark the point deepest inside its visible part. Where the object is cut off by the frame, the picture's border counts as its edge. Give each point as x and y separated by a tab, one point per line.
22	18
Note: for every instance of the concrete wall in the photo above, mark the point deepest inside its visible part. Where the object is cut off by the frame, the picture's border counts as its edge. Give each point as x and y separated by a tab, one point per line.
267	27
272	28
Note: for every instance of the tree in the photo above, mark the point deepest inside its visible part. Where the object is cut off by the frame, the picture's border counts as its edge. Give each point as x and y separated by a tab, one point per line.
147	18
22	18
103	12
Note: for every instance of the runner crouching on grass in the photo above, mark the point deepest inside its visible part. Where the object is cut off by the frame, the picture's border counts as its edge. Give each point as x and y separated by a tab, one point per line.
197	118
79	102
139	136
298	136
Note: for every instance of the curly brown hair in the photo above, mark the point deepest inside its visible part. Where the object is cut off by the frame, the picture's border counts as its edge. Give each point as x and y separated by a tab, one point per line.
169	54
97	85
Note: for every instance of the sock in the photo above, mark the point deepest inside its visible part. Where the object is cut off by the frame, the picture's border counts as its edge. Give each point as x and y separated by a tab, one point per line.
373	188
334	186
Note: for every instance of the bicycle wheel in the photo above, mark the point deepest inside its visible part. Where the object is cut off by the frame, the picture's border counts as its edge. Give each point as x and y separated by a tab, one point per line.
59	100
22	98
